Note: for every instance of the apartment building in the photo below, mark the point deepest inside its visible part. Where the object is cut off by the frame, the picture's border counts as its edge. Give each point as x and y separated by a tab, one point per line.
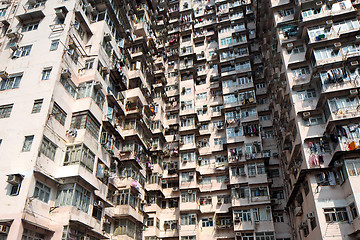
313	74
144	120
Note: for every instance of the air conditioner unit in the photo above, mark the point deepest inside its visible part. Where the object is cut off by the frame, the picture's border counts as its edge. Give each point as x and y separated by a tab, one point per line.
14	179
12	33
4	75
306	115
329	23
107	37
219	201
104	138
190	191
353	92
4	229
310	215
357	38
289	46
318	4
191	174
338	163
70	52
98	85
60	13
337	46
16	54
298	211
14	46
354	64
71	133
99	204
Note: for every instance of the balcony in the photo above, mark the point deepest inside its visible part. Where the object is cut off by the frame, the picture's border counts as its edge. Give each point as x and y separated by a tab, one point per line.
121	211
306	105
277	3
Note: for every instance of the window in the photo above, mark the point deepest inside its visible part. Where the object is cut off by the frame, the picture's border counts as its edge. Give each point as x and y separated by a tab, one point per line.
54	44
188	219
188	238
22	51
85	120
157	223
3	12
313	223
238	171
79	154
207	222
89	64
69	86
353	167
48	148
298	49
150	222
278	217
336	215
353	210
221	179
27	143
306	94
189	196
32	235
59	114
277	194
30	27
37	106
240	192
11	82
45	75
243	215
42	192
259	192
265	236
187	177
5	110
15	186
73	195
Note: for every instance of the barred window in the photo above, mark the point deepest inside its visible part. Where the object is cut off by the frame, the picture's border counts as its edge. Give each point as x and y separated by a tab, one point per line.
5	110
11	82
336	214
48	148
59	114
37	106
27	143
80	154
85	120
42	192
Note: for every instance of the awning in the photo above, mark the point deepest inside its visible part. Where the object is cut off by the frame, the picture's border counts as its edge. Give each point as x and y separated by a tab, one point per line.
37	225
6	222
30	15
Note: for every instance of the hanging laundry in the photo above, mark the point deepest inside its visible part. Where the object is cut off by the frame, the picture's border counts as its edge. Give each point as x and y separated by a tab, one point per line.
352	146
331	178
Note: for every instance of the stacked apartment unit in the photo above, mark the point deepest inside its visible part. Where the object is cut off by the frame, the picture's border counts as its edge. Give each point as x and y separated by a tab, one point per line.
137	120
312	48
220	175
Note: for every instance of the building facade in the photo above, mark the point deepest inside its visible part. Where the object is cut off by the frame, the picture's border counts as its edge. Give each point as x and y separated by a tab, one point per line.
313	75
181	119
